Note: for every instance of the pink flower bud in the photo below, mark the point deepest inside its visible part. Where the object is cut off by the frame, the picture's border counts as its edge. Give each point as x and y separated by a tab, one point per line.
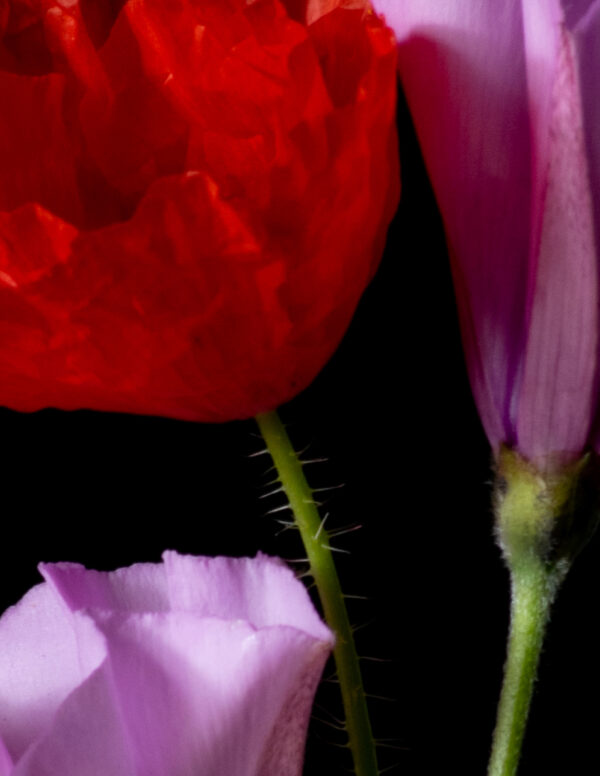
504	99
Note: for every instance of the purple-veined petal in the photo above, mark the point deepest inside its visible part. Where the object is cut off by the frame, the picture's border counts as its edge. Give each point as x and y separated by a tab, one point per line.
557	394
586	34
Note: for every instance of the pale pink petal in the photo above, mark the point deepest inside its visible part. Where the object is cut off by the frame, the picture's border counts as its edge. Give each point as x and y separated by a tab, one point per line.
87	737
462	66
40	663
262	590
138	588
558	392
185	696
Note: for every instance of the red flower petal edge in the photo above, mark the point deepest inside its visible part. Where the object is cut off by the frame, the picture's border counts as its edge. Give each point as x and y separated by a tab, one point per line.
193	196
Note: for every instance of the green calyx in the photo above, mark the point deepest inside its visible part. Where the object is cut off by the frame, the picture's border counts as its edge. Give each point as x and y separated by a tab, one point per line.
545	514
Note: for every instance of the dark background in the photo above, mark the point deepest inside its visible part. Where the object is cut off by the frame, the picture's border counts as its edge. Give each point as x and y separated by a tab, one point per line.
393	414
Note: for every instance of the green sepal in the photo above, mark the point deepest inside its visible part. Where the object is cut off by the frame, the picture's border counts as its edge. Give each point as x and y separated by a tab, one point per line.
549	513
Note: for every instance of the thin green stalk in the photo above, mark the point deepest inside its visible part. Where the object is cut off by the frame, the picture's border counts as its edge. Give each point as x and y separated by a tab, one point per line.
544	516
533	587
322	567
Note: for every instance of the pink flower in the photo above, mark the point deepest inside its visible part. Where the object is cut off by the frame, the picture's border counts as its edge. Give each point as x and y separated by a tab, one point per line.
504	97
192	667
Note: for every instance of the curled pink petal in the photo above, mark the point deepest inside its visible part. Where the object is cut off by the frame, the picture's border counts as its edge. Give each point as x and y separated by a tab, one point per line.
260	591
194	666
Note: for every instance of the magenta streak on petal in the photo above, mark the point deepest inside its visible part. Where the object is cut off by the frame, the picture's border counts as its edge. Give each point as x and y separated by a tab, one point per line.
463	70
576	10
6	763
557	393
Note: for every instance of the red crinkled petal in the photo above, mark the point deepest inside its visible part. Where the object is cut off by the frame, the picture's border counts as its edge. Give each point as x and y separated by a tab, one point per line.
37	162
189	230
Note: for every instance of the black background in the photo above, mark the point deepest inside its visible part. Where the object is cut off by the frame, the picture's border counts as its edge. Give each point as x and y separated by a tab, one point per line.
393	414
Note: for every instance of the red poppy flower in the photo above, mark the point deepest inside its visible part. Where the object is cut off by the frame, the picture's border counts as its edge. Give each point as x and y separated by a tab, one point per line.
193	195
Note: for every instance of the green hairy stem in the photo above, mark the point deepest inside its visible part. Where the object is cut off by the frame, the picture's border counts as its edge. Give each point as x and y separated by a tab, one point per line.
322	568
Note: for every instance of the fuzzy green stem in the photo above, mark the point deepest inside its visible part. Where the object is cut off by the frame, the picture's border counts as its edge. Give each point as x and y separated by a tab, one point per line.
544	516
322	567
533	587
